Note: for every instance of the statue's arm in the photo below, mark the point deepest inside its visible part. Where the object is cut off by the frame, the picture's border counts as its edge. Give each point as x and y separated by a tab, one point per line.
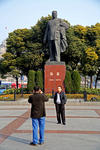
45	35
64	24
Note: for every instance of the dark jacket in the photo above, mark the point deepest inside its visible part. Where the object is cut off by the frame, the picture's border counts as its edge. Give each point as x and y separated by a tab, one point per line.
37	105
63	98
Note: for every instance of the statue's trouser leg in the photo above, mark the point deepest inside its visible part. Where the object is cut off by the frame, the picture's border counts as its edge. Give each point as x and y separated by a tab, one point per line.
57	50
52	50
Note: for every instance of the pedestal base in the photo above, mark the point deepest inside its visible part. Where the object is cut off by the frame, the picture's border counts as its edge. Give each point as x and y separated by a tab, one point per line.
54	76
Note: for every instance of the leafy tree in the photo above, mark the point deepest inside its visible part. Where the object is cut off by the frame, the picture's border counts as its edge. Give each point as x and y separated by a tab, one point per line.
39	29
80	32
97	41
22	52
3	69
72	55
90	57
10	63
89	63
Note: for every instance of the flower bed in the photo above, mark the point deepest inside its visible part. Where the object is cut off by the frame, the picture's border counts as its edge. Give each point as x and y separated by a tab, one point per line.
8	97
74	96
90	96
81	96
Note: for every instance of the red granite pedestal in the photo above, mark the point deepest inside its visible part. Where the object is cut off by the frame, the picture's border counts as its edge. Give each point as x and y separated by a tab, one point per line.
54	76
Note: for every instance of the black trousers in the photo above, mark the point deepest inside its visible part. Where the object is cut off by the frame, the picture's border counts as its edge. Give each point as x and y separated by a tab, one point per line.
54	48
60	111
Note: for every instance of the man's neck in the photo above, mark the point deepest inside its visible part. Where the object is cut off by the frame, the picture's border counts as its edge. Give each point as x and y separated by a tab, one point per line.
58	92
54	18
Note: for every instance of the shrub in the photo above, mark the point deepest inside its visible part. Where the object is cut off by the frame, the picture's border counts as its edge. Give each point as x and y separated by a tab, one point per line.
31	80
76	79
90	91
9	91
68	82
39	79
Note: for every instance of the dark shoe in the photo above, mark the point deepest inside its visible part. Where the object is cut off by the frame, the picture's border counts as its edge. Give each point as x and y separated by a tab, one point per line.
41	143
32	144
64	123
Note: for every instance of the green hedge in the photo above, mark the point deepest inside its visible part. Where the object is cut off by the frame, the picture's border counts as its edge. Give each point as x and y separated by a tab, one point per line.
68	82
76	80
39	79
31	80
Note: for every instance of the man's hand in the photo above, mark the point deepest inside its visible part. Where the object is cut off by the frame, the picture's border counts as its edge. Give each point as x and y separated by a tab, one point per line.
40	91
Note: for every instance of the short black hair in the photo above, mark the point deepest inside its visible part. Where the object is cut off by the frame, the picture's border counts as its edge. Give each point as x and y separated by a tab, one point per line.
60	86
36	88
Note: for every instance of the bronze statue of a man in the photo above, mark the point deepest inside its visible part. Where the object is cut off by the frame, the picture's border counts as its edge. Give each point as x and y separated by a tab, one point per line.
55	36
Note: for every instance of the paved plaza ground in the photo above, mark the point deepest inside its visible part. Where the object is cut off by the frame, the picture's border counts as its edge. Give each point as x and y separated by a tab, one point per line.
81	132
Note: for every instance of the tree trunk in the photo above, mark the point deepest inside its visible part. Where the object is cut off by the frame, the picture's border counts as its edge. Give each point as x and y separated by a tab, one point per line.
16	82
91	81
96	83
97	78
85	81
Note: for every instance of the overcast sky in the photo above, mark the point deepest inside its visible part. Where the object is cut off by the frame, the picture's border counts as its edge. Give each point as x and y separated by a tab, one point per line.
17	14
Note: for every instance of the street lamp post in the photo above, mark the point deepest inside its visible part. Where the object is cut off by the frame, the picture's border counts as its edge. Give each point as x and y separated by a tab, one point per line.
21	85
14	94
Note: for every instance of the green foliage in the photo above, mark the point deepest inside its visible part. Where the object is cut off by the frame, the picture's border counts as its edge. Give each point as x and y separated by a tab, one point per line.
3	69
76	79
9	91
39	29
39	79
31	80
89	62
23	53
90	91
90	58
72	55
68	82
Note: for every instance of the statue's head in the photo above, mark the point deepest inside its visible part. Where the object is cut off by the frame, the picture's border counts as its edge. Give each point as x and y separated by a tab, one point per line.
54	14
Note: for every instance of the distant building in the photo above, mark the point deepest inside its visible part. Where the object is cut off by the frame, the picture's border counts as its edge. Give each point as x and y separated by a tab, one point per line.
2	48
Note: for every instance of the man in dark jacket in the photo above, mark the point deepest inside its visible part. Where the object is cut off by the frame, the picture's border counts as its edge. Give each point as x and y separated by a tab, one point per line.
38	115
60	101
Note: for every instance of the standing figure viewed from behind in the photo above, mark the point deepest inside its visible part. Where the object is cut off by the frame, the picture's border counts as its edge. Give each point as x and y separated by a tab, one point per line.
60	101
38	114
56	37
